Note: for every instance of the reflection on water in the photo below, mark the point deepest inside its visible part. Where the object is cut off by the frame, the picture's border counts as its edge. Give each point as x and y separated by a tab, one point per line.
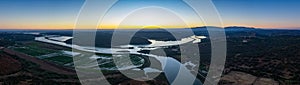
170	66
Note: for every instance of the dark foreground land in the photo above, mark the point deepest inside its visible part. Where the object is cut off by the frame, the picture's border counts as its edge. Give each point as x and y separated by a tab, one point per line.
254	57
21	64
18	68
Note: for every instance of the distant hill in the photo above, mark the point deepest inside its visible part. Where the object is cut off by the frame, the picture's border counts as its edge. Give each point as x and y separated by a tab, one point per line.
238	28
245	31
225	28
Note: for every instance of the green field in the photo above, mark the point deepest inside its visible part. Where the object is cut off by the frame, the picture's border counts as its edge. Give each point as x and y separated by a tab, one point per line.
61	59
34	49
135	60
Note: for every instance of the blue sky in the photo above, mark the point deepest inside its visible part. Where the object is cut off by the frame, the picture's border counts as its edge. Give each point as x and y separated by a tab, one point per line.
61	14
261	13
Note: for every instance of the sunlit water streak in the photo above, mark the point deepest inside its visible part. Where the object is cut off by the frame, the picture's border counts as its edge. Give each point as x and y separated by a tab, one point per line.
170	66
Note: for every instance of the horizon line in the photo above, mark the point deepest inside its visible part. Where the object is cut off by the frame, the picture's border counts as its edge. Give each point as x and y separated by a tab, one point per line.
281	28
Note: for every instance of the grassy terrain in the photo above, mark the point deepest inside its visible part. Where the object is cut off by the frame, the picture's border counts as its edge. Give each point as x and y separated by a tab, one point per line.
136	60
61	59
34	49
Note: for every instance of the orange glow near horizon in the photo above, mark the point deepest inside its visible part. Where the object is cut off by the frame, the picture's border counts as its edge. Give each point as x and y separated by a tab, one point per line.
63	14
72	26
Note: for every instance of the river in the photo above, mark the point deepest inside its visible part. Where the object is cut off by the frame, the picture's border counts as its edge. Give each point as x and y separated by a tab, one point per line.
170	66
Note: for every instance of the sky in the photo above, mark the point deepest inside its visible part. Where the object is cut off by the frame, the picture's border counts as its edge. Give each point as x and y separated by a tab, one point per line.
62	14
